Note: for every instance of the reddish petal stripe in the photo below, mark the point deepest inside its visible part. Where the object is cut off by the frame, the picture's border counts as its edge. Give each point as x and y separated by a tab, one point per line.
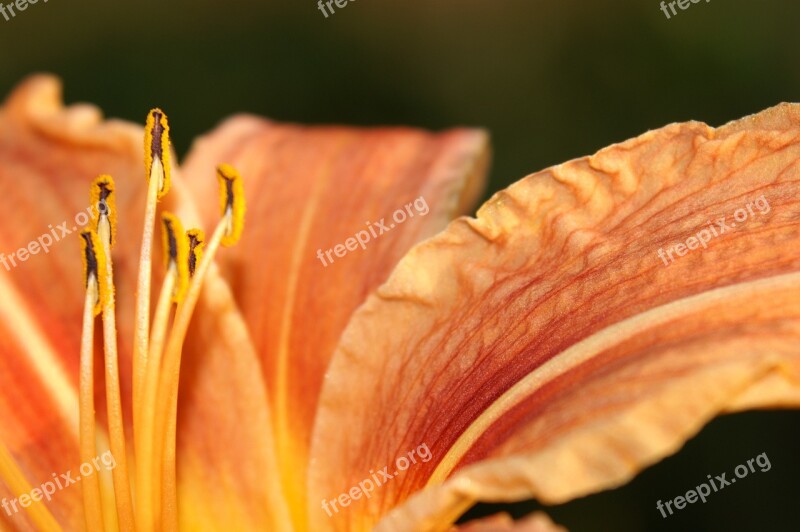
489	339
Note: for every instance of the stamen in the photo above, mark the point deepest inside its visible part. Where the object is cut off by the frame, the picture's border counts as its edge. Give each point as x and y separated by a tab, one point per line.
229	229
156	149
157	166
13	477
116	425
231	195
166	418
103	202
196	243
92	505
148	489
91	265
156	356
175	251
169	502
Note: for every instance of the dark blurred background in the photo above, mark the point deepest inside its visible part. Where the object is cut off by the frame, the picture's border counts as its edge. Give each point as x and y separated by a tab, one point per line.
549	79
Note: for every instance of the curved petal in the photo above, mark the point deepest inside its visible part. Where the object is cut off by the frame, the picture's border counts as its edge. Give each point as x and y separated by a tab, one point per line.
343	178
546	350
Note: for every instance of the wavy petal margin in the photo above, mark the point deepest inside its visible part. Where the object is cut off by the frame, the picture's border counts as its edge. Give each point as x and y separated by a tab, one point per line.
297	262
546	350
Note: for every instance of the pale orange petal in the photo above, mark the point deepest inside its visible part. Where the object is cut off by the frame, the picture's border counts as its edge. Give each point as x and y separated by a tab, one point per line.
228	471
545	350
309	189
536	522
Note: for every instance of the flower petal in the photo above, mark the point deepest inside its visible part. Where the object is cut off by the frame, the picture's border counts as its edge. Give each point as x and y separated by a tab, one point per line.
227	467
536	522
545	349
309	189
49	156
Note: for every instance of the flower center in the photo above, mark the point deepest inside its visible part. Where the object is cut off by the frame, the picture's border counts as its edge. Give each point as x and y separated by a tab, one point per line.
157	347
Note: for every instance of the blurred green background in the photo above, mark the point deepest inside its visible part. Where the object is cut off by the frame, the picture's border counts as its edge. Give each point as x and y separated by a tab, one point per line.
549	79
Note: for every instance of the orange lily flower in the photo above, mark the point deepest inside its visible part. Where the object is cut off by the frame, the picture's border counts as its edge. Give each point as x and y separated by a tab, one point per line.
343	367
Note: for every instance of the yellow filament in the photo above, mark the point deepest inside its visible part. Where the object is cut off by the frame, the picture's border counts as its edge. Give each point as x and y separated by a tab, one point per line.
227	232
157	169
168	503
107	485
14	478
148	484
116	425
166	414
142	311
92	505
169	472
